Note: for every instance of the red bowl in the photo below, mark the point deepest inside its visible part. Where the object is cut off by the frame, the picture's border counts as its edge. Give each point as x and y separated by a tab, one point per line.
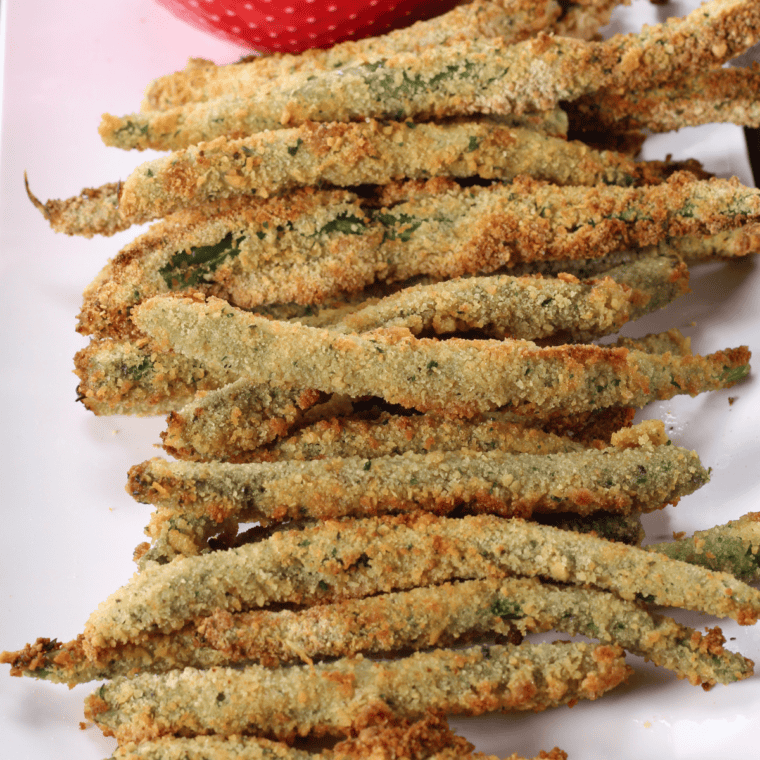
290	26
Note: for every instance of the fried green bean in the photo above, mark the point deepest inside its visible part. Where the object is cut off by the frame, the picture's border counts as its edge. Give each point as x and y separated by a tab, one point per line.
369	152
718	95
350	559
529	307
512	20
729	548
474	76
636	479
248	417
455	377
415	619
320	244
427	739
333	699
95	211
198	435
120	377
198	501
433	616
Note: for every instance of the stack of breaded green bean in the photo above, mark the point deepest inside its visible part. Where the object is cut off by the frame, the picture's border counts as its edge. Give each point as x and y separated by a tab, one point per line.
371	306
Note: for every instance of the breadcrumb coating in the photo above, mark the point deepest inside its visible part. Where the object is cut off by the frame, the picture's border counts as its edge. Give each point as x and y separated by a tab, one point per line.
332	699
512	20
729	548
713	96
483	75
529	307
200	436
368	152
355	558
644	478
455	377
427	739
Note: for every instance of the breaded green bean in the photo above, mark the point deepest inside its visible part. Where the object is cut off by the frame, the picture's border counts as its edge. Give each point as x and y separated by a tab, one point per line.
202	436
333	699
95	211
369	152
512	20
454	377
427	739
475	76
729	548
529	307
355	558
414	619
636	479
196	501
420	618
119	377
716	95
319	244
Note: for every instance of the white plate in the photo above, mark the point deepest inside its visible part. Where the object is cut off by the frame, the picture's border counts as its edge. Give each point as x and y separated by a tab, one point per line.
68	526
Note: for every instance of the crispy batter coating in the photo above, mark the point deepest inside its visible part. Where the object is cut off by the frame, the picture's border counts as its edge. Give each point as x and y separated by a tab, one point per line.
729	548
335	698
644	478
247	417
198	435
95	211
320	244
529	307
420	618
512	20
713	96
427	739
474	76
455	377
355	558
368	152
119	377
196	501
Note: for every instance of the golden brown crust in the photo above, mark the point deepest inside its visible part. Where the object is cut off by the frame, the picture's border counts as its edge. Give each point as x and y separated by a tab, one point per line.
501	78
319	244
355	558
513	20
714	96
369	152
339	698
456	377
